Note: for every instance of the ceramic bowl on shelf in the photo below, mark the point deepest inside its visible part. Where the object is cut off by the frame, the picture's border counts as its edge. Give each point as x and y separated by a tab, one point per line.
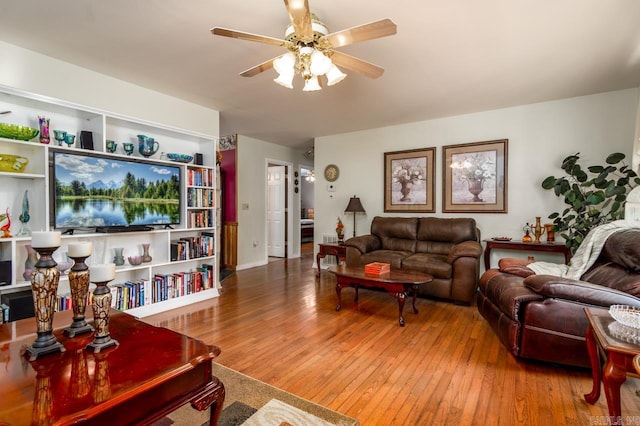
180	158
13	163
13	131
135	260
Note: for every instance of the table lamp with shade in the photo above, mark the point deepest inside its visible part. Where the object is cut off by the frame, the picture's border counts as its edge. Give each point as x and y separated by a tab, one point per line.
354	206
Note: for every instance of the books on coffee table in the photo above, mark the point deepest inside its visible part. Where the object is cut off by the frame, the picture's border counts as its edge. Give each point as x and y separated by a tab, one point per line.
377	268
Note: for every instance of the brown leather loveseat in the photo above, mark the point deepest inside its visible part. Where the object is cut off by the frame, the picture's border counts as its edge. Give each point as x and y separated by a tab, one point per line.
542	317
447	249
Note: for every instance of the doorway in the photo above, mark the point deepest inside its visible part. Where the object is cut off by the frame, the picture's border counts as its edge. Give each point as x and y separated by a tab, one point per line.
278	212
307	208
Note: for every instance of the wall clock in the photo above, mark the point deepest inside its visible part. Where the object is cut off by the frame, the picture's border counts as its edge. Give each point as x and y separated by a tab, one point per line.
331	173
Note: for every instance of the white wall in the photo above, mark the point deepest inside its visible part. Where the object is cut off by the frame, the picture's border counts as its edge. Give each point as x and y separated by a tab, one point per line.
26	70
253	155
540	136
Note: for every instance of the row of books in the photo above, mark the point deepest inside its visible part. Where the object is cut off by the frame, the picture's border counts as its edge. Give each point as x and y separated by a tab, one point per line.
200	219
136	293
192	247
200	177
201	197
377	268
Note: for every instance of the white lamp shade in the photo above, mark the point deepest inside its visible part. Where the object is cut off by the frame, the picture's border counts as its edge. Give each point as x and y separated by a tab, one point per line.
334	75
311	84
285	64
285	80
320	63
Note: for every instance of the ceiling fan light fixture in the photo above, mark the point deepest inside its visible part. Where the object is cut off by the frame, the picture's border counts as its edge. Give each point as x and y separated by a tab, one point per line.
285	64
285	80
311	84
320	63
334	75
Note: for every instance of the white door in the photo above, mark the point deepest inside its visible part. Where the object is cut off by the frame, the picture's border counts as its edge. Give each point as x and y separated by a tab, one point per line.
276	211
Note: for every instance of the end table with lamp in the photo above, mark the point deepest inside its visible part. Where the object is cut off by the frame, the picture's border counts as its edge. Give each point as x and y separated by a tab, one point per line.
338	250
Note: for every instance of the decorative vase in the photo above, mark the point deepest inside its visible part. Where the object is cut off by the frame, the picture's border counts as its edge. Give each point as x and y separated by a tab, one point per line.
405	190
44	129
537	230
551	235
118	258
44	284
145	253
475	186
24	216
30	263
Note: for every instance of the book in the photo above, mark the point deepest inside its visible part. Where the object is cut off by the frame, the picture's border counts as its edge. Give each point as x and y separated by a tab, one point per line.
377	268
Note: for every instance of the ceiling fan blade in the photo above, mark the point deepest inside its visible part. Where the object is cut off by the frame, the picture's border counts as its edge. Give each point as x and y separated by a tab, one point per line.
225	32
382	28
356	65
267	65
300	19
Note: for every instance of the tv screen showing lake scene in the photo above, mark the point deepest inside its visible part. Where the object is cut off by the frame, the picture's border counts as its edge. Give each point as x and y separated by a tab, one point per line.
98	191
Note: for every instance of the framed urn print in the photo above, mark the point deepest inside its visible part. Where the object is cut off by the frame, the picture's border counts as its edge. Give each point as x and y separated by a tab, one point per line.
474	177
409	181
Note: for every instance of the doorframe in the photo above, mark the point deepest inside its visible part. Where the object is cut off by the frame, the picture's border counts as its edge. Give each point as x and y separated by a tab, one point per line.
289	237
300	167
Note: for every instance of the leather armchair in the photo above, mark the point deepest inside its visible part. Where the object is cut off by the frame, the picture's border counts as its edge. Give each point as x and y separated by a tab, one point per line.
541	317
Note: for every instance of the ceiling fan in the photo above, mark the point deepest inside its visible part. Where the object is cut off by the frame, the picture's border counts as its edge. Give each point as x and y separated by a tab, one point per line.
312	49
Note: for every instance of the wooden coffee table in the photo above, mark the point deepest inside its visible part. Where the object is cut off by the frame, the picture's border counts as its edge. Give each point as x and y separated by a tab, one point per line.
396	283
151	373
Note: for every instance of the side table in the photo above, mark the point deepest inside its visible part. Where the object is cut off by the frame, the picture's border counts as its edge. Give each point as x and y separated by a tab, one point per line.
619	360
520	246
337	250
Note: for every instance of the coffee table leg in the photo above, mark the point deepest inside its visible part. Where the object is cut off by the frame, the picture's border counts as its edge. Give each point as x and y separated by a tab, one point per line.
401	296
414	290
339	294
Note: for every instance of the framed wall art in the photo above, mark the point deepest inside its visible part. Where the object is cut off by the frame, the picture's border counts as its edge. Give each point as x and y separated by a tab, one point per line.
474	177
409	181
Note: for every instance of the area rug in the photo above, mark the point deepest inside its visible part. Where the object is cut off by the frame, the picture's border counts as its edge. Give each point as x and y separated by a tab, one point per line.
250	402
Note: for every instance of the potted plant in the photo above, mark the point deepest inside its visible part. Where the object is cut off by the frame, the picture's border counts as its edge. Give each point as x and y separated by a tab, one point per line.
594	196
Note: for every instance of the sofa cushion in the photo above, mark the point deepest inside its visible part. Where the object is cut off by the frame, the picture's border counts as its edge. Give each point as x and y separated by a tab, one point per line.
396	233
438	235
393	257
432	264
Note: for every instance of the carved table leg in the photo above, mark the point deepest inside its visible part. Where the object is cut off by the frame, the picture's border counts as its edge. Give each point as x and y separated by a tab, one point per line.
401	296
614	375
594	358
318	257
213	396
339	294
414	290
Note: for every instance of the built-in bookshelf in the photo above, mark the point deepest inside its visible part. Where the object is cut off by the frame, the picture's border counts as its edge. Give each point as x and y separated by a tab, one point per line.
196	228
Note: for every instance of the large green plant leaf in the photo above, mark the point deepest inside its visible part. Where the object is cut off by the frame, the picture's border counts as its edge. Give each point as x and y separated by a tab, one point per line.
594	195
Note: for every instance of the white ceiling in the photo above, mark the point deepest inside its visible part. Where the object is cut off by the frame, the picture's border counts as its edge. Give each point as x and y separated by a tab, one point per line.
449	57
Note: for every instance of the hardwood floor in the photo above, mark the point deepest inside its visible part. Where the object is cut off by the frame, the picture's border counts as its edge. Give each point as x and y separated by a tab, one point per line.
277	323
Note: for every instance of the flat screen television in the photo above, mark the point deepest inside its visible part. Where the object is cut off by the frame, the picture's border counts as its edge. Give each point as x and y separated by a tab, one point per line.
90	190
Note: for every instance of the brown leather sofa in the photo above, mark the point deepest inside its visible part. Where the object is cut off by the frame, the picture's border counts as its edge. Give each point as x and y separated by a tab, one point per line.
542	317
447	249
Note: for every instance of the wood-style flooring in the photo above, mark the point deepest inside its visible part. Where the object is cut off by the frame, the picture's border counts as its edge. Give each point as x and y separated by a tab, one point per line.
277	323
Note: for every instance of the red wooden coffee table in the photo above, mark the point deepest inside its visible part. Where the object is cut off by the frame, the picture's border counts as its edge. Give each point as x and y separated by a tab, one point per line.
396	283
151	373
